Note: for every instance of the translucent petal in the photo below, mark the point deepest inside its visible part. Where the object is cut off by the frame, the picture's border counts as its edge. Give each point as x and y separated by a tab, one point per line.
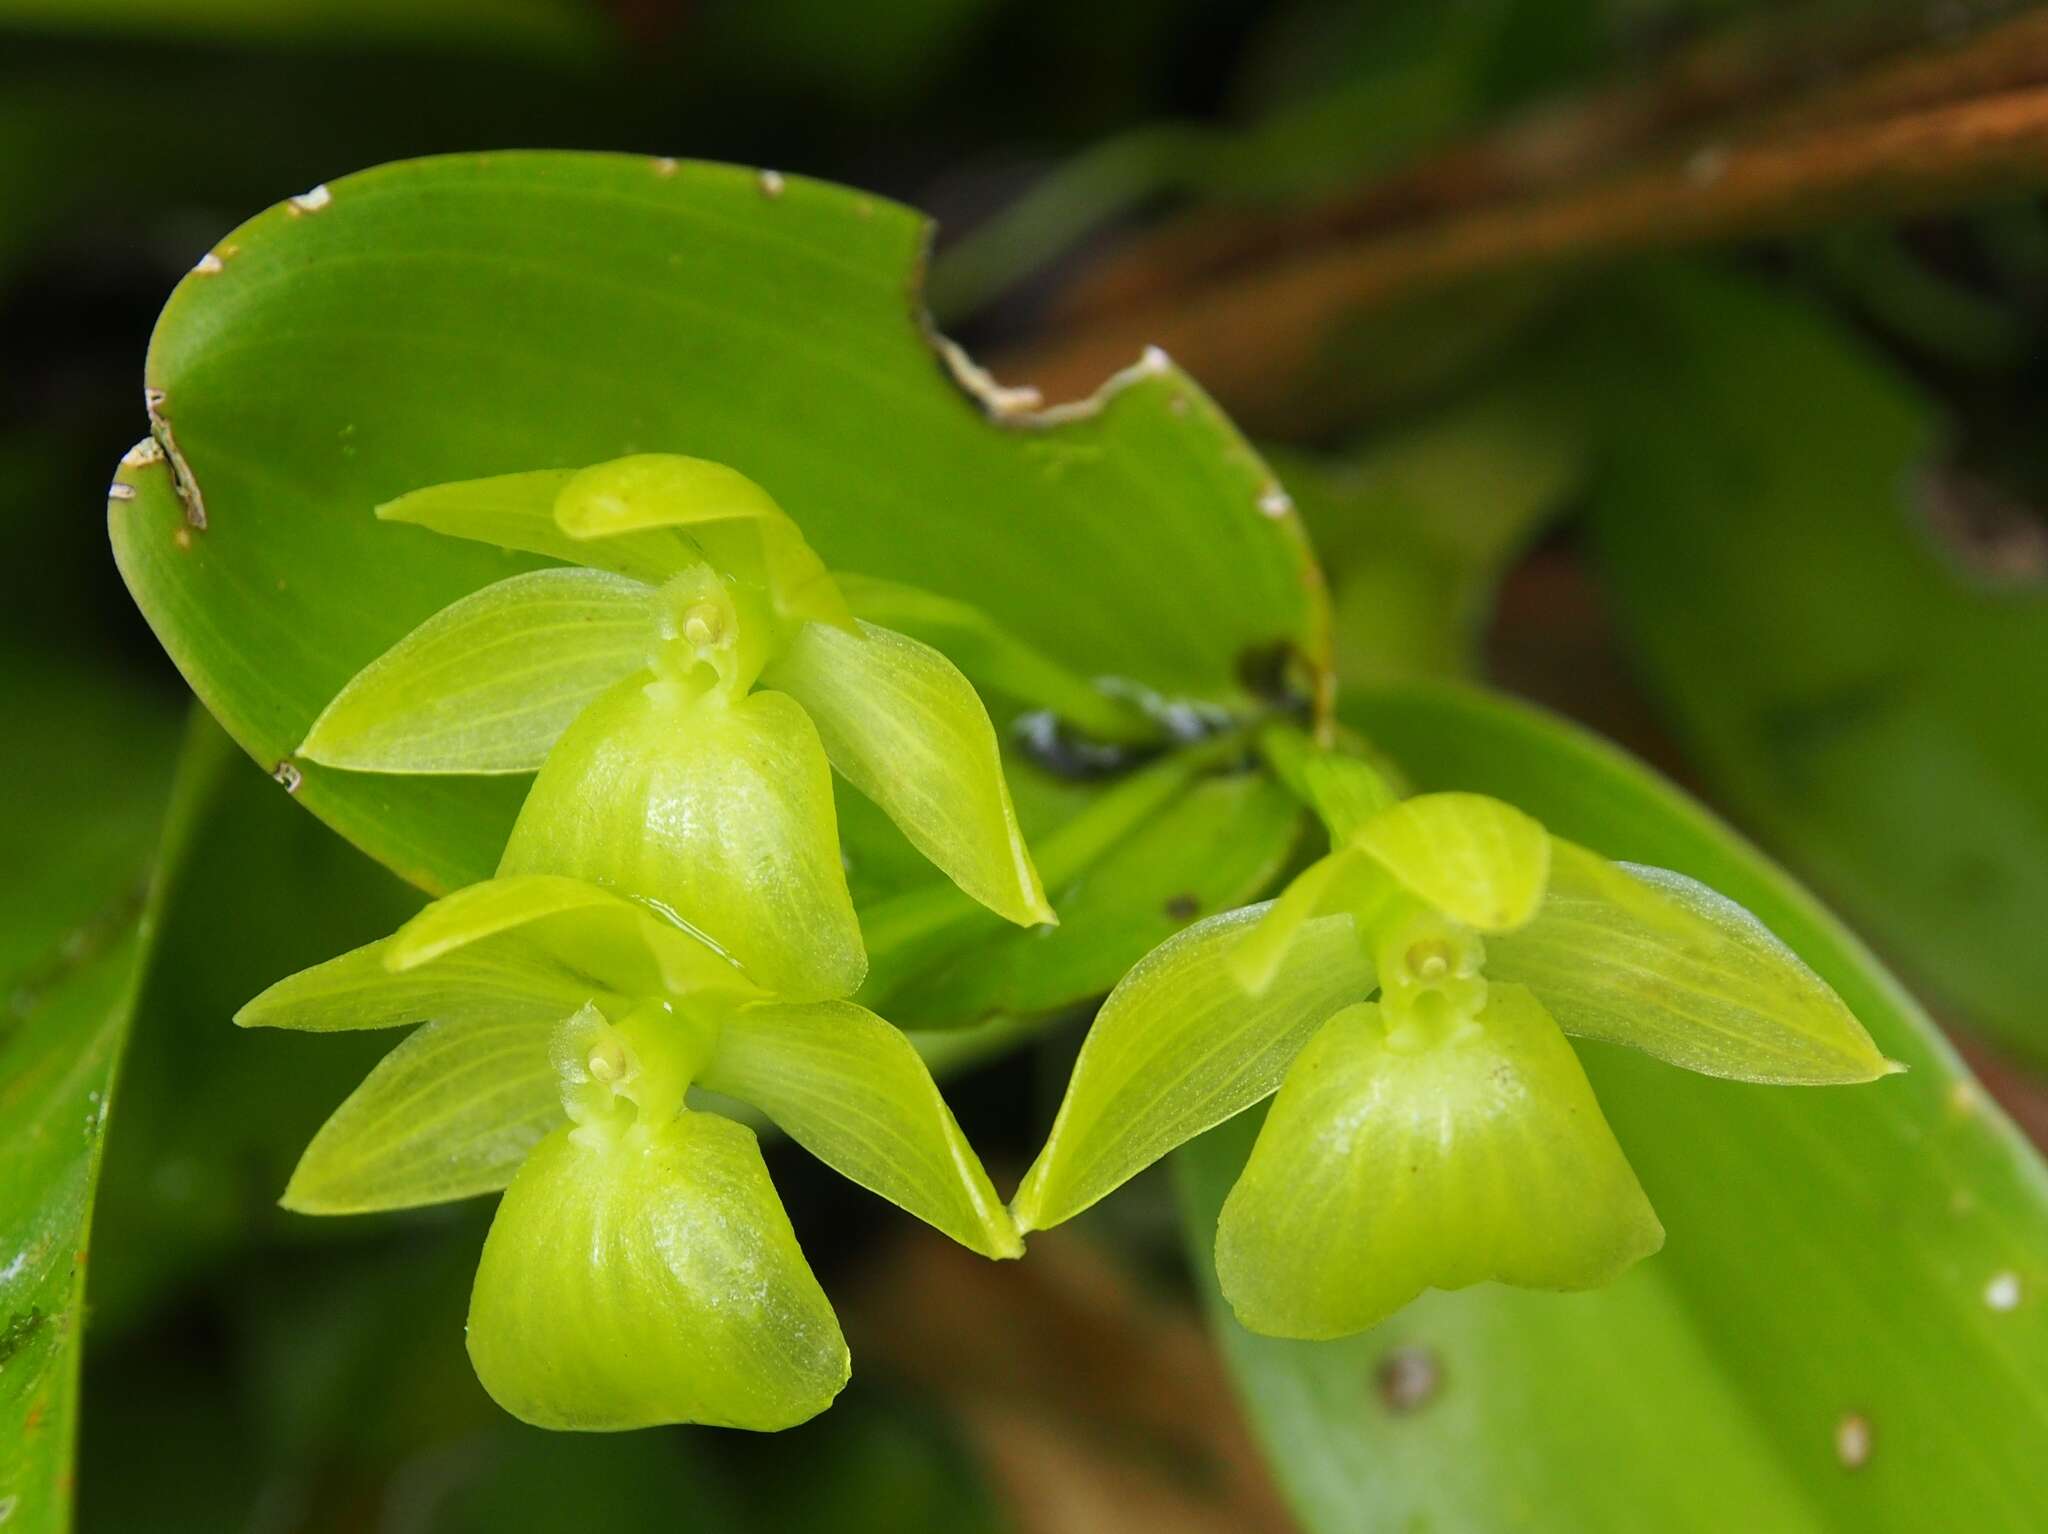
517	511
1652	959
1346	880
906	729
1179	1047
852	1091
1473	858
657	1281
718	811
489	682
598	937
486	982
493	907
1380	1173
995	658
735	522
449	1113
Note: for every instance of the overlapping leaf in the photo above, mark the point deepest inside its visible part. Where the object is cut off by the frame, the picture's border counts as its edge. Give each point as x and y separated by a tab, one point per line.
1126	542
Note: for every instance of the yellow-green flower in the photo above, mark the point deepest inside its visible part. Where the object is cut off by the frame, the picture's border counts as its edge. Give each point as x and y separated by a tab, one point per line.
1409	996
681	684
640	1268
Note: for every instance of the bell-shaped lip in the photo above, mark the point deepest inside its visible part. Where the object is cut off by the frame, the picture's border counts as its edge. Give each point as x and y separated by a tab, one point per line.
1396	1160
718	810
654	1281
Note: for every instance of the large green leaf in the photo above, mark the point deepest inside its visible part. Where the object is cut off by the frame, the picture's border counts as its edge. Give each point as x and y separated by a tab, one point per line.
1772	519
212	1118
1845	1331
85	760
455	318
60	1041
60	1070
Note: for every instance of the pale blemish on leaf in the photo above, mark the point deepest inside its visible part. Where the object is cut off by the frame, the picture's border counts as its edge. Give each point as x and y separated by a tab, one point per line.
2003	1292
154	401
1852	1441
999	402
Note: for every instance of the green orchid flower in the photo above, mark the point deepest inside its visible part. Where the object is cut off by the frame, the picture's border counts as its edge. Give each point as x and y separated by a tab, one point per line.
640	1268
684	685
1408	995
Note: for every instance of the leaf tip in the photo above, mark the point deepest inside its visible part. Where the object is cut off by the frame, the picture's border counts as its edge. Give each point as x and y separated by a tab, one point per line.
302	1197
265	1009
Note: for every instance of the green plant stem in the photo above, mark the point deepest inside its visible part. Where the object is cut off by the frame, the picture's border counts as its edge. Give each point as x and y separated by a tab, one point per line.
917	916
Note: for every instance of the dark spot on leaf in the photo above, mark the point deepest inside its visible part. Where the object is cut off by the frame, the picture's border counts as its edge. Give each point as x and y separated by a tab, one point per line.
1183	908
1409	1379
20	1327
1274	674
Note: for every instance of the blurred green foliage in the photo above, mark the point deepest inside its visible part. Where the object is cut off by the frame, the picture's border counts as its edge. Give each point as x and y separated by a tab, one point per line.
1814	501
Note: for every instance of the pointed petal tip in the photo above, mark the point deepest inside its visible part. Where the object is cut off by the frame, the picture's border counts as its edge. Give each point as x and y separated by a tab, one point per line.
262	1011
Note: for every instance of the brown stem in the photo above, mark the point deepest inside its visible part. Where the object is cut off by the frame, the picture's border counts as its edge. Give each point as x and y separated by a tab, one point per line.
1239	311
